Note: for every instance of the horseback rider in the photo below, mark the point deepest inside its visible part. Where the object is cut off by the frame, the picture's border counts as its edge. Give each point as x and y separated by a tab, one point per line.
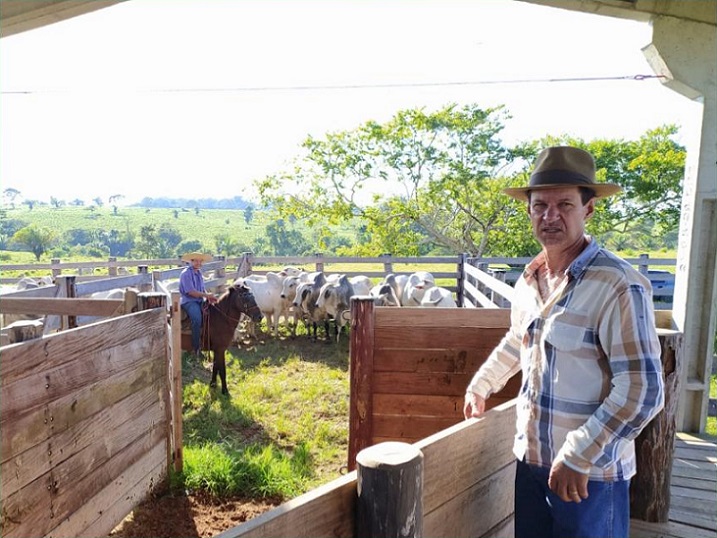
193	294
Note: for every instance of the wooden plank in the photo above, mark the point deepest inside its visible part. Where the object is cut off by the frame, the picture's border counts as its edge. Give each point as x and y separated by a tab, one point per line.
671	529
439	384
51	419
695	470
24	359
698	454
459	359
36	509
418	405
34	390
492	498
327	511
486	318
697	506
64	307
112	427
103	512
477	447
694	493
695	443
437	337
504	529
695	483
688	517
401	429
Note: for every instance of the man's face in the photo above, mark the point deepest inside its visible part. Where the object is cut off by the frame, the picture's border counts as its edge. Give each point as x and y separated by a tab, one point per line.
558	216
196	263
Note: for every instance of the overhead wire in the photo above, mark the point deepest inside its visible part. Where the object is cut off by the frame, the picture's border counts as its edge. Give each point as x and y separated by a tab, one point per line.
324	87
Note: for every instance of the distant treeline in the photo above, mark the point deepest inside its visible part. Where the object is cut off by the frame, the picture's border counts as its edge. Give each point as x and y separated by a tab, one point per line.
237	202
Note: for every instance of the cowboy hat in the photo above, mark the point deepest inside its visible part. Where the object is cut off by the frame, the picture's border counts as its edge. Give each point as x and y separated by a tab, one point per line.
563	166
189	256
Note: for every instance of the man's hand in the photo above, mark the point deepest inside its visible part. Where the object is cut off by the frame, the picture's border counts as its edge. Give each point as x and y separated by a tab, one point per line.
211	298
474	405
568	484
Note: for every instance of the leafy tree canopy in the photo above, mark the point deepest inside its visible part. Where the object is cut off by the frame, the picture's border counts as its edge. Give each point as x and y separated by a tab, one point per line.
437	179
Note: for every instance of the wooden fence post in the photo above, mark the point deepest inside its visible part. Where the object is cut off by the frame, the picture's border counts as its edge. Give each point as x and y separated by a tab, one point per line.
112	266
390	490
654	447
244	268
361	377
644	264
66	288
175	384
221	273
460	290
55	267
481	266
387	265
319	261
497	298
144	270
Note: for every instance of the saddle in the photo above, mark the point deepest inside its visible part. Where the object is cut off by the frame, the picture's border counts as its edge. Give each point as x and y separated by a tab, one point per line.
187	324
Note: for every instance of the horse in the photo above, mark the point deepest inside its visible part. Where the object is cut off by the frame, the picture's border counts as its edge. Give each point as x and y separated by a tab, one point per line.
219	322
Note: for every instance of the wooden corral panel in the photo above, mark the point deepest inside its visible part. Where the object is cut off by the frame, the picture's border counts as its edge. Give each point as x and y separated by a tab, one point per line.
468	473
84	426
410	368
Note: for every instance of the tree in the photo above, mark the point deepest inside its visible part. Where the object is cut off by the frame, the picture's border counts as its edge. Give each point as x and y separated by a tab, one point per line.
157	242
248	213
436	174
114	200
37	240
11	195
438	180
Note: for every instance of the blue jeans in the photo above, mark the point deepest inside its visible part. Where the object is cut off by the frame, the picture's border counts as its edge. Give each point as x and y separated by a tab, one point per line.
539	513
194	311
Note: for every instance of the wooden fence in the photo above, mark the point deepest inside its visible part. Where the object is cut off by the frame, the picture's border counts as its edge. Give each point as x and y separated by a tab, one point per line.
85	426
410	368
505	270
468	474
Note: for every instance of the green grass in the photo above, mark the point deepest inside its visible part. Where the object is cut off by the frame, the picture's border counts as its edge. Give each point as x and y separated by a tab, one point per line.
283	430
711	427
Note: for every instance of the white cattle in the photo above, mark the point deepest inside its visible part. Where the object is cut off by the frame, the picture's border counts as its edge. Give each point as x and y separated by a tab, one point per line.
397	283
361	284
335	297
437	296
416	287
267	292
306	298
384	295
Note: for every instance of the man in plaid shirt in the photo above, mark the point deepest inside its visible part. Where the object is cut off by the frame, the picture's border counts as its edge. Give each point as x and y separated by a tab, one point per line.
583	334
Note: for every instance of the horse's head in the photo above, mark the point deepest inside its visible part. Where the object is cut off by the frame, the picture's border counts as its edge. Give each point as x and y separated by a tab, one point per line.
246	303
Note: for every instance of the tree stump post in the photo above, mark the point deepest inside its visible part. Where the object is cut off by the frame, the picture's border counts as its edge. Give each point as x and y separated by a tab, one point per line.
390	490
654	447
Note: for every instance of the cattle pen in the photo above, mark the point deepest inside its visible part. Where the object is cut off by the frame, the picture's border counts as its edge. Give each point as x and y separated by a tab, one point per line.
449	499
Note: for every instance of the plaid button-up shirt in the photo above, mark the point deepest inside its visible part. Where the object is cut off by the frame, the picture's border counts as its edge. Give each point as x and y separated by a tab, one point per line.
590	360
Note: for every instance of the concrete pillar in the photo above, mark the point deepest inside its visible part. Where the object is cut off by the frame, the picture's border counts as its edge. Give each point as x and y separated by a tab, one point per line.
685	52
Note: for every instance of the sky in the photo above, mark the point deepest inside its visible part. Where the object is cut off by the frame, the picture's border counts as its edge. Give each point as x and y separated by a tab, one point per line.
199	98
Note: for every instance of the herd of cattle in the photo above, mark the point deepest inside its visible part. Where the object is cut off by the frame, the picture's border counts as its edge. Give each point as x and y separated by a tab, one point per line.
314	298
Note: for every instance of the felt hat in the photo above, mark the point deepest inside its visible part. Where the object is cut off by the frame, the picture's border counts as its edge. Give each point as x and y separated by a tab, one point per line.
189	256
563	166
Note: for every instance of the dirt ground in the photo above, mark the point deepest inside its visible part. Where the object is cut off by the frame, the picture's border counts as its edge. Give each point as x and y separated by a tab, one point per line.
180	516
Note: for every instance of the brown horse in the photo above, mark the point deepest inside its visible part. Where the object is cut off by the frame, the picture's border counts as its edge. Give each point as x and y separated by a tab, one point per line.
219	323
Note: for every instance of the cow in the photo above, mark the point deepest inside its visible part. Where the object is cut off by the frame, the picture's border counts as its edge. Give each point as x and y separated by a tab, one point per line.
384	295
267	292
335	297
306	298
416	287
437	296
